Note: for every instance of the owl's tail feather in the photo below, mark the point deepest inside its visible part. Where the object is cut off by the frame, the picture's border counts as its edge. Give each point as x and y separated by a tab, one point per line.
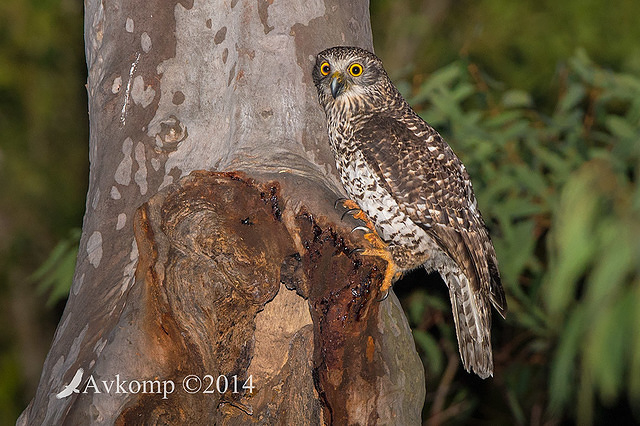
471	315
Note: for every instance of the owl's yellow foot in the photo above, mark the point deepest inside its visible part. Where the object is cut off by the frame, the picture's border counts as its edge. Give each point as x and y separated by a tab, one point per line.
352	206
378	247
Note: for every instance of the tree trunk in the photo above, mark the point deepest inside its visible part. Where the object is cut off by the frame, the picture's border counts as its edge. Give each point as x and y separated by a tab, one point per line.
211	248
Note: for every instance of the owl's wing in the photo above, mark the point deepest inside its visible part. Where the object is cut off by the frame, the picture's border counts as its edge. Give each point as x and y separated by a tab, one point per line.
432	187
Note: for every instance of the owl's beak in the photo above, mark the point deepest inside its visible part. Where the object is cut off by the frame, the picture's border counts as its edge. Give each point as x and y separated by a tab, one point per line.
337	84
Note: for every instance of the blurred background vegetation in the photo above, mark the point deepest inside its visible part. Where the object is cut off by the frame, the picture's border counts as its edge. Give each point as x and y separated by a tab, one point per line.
541	99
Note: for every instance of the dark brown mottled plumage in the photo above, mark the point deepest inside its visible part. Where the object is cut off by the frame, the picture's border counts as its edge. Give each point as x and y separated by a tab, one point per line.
415	190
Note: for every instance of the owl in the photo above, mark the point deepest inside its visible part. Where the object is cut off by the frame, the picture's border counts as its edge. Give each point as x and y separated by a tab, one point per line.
415	190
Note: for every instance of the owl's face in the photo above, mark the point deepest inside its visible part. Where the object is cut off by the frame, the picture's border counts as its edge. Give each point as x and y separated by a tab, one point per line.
348	75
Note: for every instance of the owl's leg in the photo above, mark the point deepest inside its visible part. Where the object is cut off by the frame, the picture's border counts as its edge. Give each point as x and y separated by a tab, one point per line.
378	247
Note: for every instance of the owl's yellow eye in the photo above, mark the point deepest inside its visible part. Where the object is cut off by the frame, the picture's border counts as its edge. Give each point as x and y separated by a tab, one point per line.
325	68
355	70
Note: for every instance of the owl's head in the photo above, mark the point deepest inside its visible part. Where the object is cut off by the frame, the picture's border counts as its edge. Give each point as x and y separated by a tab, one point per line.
349	76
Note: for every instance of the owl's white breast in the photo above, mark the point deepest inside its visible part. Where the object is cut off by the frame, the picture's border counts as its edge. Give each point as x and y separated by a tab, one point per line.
363	187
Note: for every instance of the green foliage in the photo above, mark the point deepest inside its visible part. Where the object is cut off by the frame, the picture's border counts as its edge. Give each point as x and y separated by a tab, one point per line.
559	193
520	43
9	388
55	275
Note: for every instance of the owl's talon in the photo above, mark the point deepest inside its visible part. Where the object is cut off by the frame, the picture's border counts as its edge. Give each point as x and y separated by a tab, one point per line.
339	200
385	296
350	211
361	228
379	247
353	207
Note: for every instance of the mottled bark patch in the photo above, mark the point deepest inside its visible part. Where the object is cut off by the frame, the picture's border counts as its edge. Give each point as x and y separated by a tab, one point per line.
344	294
